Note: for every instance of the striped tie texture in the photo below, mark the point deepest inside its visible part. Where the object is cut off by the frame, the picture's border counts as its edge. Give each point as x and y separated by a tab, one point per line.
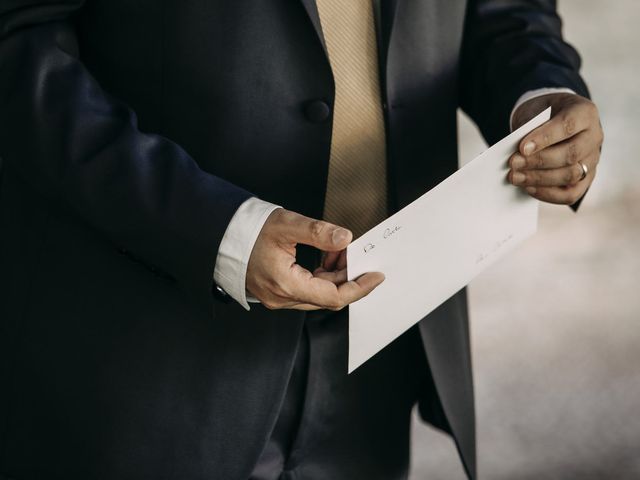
356	195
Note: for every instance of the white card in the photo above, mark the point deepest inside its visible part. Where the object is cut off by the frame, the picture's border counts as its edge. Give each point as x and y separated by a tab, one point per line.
436	245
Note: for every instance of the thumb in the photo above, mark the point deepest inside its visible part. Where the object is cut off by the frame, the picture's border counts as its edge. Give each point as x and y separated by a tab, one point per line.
318	233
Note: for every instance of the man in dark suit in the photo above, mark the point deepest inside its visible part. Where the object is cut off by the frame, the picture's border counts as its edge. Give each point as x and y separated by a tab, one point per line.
146	147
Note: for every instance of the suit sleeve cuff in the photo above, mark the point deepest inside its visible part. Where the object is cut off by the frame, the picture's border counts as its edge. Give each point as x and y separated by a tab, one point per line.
230	270
531	94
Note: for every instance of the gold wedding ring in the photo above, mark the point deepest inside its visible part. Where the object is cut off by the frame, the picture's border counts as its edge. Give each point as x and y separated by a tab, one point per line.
585	171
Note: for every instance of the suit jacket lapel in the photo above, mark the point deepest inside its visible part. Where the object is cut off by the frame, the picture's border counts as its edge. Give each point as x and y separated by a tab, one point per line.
312	13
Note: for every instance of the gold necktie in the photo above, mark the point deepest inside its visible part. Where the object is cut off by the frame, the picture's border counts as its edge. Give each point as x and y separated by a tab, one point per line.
356	195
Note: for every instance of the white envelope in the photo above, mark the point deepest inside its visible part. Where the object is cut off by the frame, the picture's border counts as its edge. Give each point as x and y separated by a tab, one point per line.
436	245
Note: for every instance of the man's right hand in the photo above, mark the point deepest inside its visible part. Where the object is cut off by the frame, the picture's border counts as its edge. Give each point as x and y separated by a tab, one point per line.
274	277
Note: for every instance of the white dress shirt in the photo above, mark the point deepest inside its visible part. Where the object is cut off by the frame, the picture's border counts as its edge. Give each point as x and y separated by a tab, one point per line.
237	243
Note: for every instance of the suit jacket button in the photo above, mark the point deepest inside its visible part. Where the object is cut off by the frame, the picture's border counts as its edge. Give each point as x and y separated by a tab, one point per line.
317	111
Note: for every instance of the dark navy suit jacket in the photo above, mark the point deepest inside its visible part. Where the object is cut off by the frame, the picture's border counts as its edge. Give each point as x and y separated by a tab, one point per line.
130	132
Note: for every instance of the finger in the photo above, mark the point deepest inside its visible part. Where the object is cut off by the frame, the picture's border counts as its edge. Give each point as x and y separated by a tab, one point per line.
323	293
360	287
341	264
562	195
555	177
335	276
330	259
562	154
301	286
569	122
316	233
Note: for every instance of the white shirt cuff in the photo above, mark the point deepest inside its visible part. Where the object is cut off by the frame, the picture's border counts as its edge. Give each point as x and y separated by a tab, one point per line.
531	94
230	271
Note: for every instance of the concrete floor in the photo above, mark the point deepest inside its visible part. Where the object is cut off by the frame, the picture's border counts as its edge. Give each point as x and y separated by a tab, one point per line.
556	325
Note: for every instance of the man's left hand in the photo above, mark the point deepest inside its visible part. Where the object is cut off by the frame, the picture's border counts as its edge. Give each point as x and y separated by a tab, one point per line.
549	163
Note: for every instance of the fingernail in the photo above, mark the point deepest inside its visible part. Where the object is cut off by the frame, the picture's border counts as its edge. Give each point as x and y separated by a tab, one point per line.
517	178
529	148
531	190
518	162
340	236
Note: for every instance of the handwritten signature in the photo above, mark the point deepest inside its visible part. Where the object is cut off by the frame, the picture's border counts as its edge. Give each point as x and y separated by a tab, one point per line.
388	232
495	247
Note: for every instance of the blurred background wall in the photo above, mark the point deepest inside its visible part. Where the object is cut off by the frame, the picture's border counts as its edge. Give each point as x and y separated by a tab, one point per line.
556	325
